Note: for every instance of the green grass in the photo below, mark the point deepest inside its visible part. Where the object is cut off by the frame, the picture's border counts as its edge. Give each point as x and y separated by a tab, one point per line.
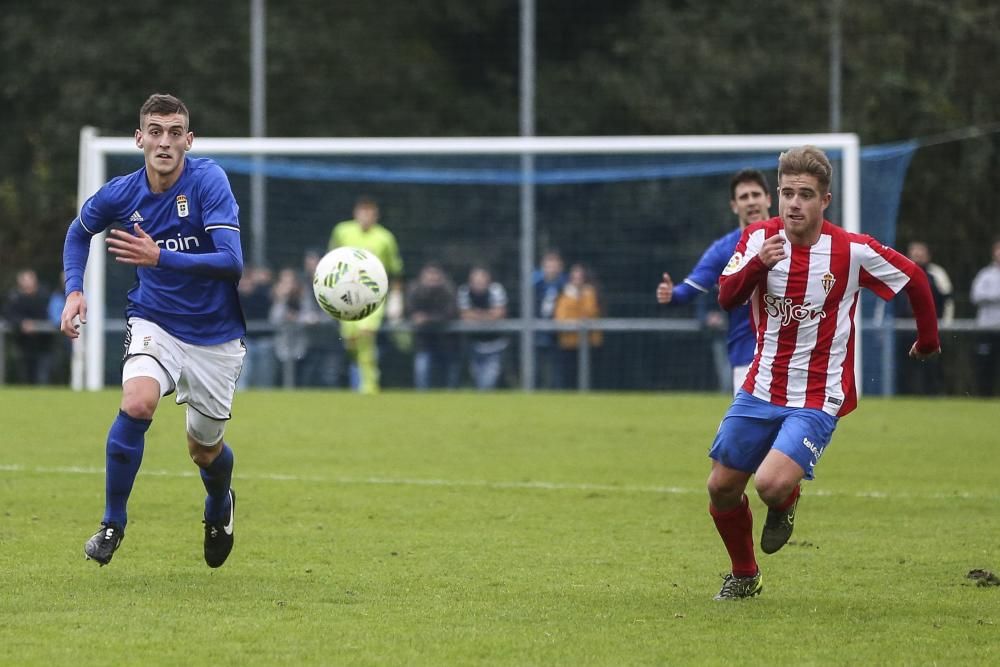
455	529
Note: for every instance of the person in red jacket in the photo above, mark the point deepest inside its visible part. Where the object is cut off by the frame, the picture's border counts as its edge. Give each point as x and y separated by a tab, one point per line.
802	277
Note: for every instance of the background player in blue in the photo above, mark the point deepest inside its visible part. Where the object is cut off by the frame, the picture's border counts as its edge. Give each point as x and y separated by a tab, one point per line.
750	200
177	222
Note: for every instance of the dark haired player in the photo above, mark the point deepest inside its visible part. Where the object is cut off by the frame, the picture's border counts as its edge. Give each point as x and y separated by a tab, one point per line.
750	201
176	221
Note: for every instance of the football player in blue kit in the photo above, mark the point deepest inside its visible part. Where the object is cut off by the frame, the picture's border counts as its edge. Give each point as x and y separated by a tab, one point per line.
176	221
750	200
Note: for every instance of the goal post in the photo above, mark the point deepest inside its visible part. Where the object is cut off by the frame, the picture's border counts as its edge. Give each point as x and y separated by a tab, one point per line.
88	368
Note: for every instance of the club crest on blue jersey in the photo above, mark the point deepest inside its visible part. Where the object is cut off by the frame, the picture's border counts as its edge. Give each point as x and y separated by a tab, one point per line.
182	206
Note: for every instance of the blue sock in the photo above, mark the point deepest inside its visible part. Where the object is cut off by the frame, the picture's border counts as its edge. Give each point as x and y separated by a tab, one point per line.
126	440
217	478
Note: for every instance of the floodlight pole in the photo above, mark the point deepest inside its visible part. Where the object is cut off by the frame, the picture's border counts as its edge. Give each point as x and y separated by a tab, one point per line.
527	125
258	128
836	39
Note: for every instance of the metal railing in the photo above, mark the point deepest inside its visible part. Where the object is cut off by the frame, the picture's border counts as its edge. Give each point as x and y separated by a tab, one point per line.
887	327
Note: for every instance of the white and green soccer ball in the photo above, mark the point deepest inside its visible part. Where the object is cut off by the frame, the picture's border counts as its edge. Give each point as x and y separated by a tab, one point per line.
350	283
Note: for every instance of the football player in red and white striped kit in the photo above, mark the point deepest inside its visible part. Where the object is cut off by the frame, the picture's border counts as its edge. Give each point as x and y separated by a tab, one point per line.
802	277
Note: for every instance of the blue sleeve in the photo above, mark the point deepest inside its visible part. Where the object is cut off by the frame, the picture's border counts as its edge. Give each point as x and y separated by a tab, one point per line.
76	248
226	263
96	214
218	205
99	211
705	274
684	294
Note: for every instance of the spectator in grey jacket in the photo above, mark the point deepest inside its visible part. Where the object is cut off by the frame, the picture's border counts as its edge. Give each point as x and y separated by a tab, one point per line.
986	297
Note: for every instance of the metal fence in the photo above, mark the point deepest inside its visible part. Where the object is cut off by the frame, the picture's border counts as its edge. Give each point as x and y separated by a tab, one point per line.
638	353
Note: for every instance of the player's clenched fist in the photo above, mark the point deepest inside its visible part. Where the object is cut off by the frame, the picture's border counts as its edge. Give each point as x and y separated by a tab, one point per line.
665	290
772	251
74	314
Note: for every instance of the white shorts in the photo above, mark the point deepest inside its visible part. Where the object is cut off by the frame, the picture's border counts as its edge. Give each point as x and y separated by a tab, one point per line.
739	377
203	375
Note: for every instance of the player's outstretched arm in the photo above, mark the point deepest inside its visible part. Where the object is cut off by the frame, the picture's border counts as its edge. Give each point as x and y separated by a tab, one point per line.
705	274
918	291
139	249
75	251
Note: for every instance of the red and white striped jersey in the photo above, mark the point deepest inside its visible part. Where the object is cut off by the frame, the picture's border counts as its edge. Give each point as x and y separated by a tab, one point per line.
803	311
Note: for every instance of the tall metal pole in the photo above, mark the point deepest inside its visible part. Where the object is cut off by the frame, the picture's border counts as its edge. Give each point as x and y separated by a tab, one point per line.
258	128
836	8
527	123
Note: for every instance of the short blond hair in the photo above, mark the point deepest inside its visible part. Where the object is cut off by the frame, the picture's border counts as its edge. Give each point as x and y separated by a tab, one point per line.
807	160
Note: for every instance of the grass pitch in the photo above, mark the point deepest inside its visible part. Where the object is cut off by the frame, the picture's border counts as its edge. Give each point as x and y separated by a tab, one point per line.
454	529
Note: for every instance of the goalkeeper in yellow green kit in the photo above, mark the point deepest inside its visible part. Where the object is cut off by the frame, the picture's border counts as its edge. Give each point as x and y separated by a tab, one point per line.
364	231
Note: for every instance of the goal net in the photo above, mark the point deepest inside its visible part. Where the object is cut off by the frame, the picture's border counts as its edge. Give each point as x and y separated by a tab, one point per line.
629	208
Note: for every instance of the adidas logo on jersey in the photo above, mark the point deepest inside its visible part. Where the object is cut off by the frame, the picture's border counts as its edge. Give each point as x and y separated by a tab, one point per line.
136	217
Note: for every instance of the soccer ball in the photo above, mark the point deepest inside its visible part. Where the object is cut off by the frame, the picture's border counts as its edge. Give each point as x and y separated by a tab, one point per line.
350	283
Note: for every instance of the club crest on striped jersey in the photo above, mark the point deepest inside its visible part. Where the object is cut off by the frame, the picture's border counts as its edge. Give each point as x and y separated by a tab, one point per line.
182	206
828	280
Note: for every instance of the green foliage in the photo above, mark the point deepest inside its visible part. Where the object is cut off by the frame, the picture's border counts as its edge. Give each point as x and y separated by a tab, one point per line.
450	68
494	529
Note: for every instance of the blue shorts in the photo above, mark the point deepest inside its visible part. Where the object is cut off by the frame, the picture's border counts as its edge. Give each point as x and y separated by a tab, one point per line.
752	427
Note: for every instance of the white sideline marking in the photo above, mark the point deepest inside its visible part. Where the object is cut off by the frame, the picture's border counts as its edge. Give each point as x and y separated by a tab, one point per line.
457	483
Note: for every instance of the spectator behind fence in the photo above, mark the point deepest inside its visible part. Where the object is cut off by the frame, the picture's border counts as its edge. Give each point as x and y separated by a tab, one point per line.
62	347
986	297
484	300
548	282
33	339
324	358
579	300
259	365
927	377
286	311
57	301
430	306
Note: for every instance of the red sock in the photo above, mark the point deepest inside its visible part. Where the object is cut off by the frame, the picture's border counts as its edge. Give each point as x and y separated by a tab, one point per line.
790	500
735	526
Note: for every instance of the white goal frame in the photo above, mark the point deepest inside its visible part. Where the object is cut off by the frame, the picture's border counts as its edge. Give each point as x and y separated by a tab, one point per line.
89	353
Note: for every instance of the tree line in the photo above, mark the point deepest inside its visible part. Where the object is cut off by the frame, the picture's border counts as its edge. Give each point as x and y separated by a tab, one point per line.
911	68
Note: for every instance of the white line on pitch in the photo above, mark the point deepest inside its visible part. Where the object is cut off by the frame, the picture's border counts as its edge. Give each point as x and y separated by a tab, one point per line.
457	483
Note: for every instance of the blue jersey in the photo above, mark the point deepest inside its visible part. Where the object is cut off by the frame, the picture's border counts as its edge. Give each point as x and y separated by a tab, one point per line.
180	295
703	278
